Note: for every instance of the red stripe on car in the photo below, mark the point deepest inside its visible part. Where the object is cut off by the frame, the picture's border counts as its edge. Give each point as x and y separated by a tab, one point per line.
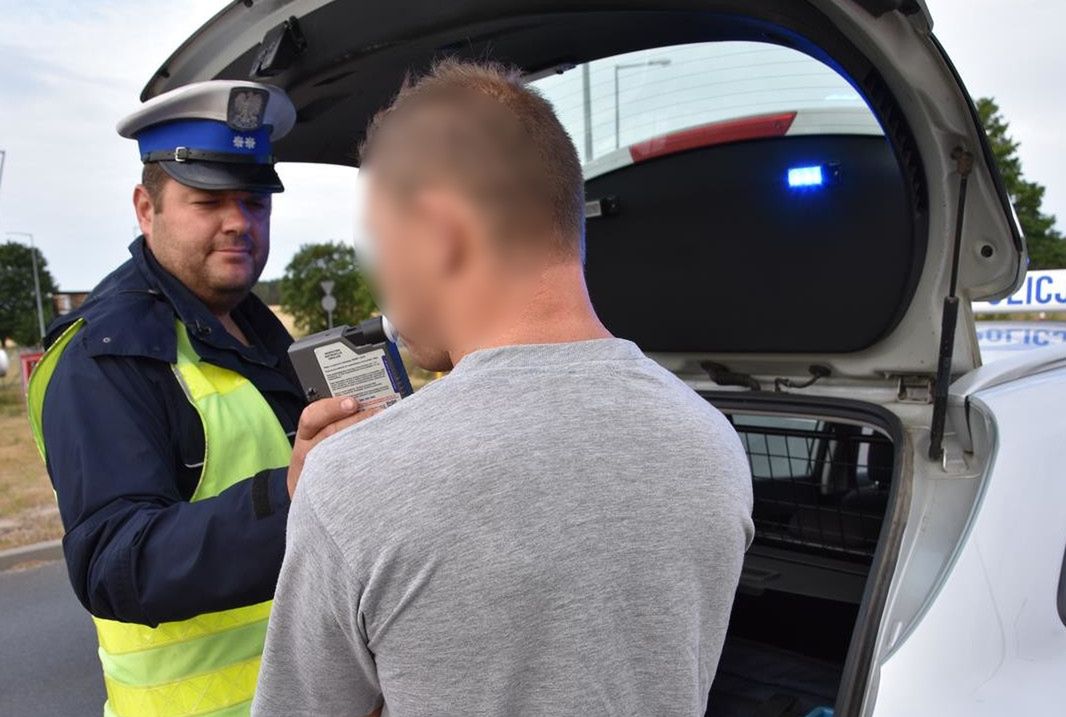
737	130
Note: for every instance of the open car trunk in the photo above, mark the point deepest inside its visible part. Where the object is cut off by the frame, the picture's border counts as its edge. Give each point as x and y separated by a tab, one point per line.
872	257
791	201
827	488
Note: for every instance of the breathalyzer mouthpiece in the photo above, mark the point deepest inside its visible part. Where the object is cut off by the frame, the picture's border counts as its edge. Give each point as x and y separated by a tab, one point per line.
389	330
372	331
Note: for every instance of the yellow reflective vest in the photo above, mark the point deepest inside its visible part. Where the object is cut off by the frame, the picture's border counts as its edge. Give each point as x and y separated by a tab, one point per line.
205	666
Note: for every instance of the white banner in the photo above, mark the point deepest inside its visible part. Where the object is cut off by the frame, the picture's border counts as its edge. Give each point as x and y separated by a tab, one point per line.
1042	291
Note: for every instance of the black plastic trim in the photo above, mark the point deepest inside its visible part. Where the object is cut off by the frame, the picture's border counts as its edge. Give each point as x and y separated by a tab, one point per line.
859	661
877	8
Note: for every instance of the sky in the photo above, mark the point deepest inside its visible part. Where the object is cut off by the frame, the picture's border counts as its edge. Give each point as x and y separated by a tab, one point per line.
69	70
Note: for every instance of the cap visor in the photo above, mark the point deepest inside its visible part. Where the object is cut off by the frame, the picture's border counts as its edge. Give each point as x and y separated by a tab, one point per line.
225	175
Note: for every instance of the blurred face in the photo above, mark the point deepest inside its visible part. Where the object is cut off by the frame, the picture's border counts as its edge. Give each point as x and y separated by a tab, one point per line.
215	242
410	248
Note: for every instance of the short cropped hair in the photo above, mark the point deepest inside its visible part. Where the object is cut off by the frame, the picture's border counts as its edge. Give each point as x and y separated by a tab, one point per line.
154	178
478	126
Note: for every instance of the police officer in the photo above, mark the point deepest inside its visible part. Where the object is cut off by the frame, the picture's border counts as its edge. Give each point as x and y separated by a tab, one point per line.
165	408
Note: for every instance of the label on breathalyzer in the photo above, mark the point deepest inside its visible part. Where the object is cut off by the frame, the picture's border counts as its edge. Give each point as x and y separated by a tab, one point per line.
362	375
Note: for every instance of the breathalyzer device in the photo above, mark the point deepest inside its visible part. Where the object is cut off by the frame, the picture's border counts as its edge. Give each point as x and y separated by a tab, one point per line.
360	361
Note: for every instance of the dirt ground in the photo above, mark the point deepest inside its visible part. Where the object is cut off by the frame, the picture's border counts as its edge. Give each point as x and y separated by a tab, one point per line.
28	512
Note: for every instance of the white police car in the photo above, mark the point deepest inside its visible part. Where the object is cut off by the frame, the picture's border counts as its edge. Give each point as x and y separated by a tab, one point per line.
1043	293
1001	339
791	204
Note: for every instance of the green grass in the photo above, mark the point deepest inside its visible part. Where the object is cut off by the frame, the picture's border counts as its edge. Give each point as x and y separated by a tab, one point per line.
28	512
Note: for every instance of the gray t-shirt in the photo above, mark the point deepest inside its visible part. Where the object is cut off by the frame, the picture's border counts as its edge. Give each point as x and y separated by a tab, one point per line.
550	530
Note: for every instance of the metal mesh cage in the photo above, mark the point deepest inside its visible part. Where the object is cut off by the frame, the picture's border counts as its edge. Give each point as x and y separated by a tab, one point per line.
819	486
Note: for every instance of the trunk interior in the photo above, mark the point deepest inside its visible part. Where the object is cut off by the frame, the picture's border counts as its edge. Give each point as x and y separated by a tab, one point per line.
824	480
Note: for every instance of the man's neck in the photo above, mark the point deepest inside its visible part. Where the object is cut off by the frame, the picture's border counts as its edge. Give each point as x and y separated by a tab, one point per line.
222	309
553	308
231	326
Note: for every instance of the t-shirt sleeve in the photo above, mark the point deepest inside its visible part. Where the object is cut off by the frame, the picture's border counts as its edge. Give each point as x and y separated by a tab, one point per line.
316	660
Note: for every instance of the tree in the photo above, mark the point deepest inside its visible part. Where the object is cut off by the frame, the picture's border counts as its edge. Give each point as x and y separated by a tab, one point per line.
269	291
1047	249
301	287
18	302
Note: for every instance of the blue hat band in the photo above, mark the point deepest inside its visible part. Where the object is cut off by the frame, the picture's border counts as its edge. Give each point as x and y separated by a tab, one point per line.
209	137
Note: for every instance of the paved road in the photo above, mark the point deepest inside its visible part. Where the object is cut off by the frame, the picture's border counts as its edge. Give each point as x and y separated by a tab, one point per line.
48	665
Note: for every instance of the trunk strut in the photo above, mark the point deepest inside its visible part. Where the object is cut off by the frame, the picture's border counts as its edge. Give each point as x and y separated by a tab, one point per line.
949	320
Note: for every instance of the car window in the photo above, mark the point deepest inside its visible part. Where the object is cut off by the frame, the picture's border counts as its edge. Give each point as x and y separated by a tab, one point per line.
618	101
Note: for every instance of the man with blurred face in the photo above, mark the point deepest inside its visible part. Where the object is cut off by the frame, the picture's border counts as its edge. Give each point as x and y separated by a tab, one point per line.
170	419
557	527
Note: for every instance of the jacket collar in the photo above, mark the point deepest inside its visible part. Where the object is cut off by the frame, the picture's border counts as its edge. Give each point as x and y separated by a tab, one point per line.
190	310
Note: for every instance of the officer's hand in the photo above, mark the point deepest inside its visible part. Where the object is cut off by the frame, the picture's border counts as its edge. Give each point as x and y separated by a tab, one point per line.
319	421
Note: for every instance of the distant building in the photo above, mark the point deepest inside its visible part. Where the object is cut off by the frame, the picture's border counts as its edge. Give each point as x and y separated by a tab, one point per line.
63	302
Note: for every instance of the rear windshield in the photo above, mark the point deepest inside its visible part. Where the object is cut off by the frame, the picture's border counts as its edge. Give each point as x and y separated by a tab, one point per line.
618	101
740	197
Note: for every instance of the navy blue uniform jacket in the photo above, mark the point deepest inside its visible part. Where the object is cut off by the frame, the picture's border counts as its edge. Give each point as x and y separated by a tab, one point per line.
125	448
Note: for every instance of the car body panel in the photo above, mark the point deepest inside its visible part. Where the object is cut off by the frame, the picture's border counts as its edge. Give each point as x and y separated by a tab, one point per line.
988	638
1004	339
1016	368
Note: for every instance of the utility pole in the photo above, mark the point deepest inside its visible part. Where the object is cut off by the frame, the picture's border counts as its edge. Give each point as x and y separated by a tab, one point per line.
36	281
586	92
618	69
3	158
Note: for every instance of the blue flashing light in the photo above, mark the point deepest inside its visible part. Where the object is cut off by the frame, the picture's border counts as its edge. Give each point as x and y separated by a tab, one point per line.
799	177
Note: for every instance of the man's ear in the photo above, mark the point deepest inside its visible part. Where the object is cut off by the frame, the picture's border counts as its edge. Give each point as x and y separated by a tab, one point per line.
144	208
451	230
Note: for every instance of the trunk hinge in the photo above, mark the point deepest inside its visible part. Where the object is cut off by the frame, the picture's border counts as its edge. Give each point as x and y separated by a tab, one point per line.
914	389
964	165
723	376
